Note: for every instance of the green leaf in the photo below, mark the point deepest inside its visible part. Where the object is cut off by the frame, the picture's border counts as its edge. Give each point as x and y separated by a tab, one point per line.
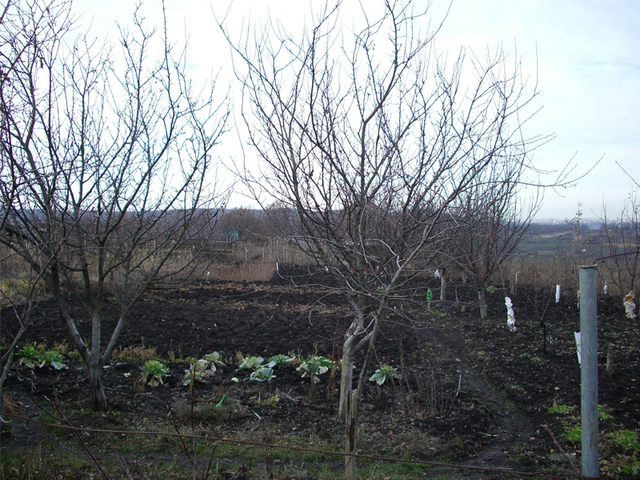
383	373
214	357
262	374
154	372
221	402
280	359
314	366
251	363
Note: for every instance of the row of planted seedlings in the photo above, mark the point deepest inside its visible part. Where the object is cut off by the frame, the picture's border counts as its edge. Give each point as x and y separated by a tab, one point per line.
261	369
154	372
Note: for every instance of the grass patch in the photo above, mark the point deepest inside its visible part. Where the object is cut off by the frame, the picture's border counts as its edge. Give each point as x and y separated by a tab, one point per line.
555	408
627	439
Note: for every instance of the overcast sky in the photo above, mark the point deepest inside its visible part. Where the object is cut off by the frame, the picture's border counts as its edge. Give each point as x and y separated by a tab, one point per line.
586	54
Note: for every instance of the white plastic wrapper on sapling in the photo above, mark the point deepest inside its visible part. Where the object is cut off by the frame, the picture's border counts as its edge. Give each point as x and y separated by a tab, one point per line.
511	318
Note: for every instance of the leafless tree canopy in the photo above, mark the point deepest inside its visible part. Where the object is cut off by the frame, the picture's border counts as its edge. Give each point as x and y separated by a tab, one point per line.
107	163
370	136
487	222
621	249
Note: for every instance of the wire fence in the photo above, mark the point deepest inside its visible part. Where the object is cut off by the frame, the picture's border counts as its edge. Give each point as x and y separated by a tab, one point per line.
193	437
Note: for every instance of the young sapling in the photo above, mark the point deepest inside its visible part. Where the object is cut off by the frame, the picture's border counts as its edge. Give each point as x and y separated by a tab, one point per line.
511	319
629	305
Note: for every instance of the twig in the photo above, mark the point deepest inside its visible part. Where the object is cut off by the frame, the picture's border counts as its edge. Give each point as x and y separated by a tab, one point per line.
184	445
124	466
553	437
205	475
84	446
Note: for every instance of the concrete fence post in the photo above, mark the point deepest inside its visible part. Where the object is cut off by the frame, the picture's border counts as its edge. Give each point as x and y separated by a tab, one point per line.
589	371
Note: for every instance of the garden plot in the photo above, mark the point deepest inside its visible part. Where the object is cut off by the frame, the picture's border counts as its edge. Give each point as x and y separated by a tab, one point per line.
457	389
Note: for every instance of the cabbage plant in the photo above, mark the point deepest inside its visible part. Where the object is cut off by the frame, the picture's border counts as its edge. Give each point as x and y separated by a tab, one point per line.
202	369
154	372
32	357
214	358
313	367
280	359
251	363
383	373
262	374
29	356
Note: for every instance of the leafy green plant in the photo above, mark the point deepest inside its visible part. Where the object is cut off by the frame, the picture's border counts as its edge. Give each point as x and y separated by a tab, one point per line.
262	374
190	377
74	354
383	373
52	358
202	369
154	372
31	357
632	467
214	358
313	367
280	359
251	363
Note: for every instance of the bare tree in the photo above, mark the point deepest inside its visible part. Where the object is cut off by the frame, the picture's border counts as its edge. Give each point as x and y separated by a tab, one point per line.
621	245
242	224
490	218
27	30
370	137
116	157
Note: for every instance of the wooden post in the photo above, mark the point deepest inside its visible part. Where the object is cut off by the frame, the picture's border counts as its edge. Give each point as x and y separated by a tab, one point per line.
610	355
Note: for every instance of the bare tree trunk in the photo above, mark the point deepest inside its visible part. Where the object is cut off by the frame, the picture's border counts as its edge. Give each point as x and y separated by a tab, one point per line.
346	374
96	386
5	364
352	407
482	300
443	285
351	427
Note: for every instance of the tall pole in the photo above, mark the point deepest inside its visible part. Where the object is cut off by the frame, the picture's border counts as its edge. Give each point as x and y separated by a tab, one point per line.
589	370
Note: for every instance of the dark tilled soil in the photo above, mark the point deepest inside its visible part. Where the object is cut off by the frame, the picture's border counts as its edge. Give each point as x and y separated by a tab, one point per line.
470	391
